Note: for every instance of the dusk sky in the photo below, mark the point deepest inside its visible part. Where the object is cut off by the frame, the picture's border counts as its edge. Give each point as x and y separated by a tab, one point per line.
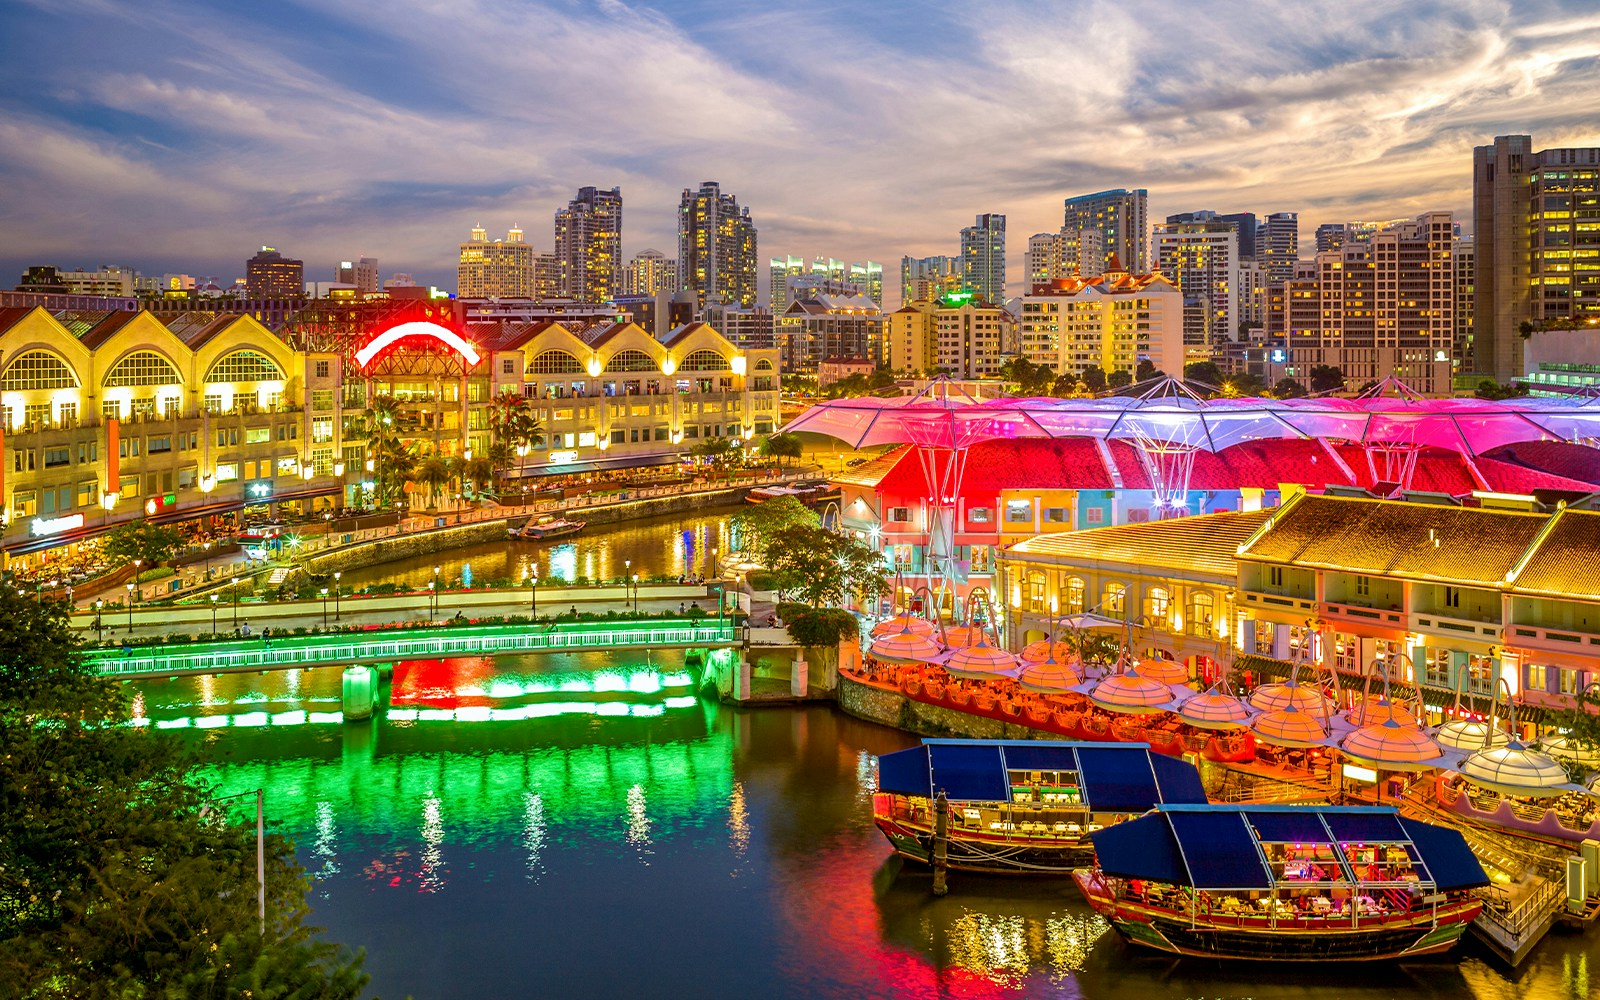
179	136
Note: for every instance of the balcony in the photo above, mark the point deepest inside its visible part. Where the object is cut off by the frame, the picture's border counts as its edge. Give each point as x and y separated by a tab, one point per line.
1359	613
1430	621
1535	638
1277	598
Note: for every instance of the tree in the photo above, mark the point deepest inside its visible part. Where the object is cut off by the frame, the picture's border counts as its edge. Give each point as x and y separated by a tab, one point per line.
719	452
1326	378
1288	389
1490	389
1205	372
1064	386
114	881
1032	379
754	527
512	428
1243	384
1146	371
151	544
781	446
434	473
1119	379
1094	378
822	568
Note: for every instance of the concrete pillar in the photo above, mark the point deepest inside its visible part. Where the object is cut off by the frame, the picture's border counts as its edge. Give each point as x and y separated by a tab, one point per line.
799	677
360	686
741	681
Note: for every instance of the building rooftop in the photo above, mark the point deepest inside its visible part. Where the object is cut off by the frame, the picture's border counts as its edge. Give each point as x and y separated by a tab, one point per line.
1564	560
1204	543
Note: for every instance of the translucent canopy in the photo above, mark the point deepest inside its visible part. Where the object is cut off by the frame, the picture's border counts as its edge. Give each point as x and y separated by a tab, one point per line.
1043	649
1565	748
1391	746
1289	727
957	636
1162	671
1049	676
1515	770
905	646
1215	710
1381	710
1131	694
902	622
1289	694
1464	735
980	661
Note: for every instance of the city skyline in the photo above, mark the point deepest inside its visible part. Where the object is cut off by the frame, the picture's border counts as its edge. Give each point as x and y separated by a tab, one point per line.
382	144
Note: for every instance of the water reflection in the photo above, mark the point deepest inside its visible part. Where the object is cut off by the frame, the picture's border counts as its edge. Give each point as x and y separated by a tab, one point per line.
638	822
324	848
533	834
738	822
432	874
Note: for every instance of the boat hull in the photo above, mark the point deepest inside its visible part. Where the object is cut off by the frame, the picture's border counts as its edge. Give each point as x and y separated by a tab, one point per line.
546	534
1306	939
988	855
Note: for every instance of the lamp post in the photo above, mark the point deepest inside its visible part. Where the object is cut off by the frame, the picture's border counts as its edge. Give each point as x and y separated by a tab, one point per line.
433	591
533	599
627	567
716	568
432	614
235	602
336	576
98	625
207	547
636	593
324	607
214	614
130	607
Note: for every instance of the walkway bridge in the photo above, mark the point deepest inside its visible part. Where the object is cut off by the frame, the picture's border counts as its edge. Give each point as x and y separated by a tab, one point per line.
418	643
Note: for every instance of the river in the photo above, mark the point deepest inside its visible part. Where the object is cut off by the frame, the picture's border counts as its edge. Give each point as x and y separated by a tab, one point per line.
570	826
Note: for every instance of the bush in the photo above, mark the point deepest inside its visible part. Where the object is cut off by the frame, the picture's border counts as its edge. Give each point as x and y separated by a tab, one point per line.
760	579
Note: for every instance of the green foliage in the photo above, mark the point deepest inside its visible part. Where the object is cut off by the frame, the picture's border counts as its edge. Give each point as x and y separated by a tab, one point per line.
1094	379
825	627
1288	389
1582	722
1146	371
781	446
821	567
1203	371
859	385
1032	379
146	542
114	882
719	452
1119	380
1326	378
1243	385
755	526
1490	389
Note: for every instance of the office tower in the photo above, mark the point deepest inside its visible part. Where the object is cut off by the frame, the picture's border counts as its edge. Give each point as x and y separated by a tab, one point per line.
1330	236
649	272
362	273
923	279
821	326
1537	253
781	271
1202	257
271	275
1111	321
495	270
1254	282
1277	245
588	246
1044	259
716	247
1122	217
1463	356
868	276
827	267
546	276
1380	307
983	257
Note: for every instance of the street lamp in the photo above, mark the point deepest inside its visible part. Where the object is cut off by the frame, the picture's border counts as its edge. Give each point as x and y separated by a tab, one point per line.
324	607
715	566
432	600
214	614
636	593
336	575
627	564
98	626
236	602
130	607
533	600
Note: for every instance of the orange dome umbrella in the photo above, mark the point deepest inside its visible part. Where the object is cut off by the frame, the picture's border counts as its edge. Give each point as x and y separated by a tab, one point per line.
905	646
1380	710
1289	727
1391	746
1215	710
1162	671
1050	676
957	636
980	662
1290	694
901	623
1465	735
1515	770
1131	694
1041	650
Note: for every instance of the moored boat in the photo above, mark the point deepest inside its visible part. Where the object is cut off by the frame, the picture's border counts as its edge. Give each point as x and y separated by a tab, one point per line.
546	527
807	493
1284	883
1021	806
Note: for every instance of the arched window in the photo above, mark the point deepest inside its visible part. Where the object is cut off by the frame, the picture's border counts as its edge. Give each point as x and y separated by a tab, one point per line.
556	363
1157	604
1075	591
143	368
38	370
631	361
1114	599
1202	606
704	361
245	366
1035	591
763	365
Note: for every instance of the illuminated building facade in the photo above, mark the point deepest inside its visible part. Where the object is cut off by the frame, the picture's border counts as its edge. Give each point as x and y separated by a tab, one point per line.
825	326
928	279
361	274
1202	256
1121	216
983	257
1278	244
501	269
650	272
588	246
1112	321
716	247
271	275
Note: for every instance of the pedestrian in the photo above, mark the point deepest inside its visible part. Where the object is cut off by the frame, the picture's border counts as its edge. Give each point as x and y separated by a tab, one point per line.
680	607
244	630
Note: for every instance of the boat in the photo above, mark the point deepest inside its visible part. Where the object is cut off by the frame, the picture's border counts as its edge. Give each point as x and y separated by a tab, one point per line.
807	493
547	527
1021	806
1284	883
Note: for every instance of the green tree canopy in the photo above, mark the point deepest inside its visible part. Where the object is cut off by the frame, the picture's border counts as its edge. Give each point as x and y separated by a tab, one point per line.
822	568
1203	371
114	879
1094	378
1032	379
1119	379
782	445
1146	371
1326	378
755	526
1288	389
1490	389
151	544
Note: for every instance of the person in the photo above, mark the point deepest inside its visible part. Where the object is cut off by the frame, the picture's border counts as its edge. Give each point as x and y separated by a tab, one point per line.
459	616
574	611
244	630
680	607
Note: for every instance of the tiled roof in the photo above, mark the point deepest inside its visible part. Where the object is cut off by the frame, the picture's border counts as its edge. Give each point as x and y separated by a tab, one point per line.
14	315
1458	545
1204	543
1564	563
106	329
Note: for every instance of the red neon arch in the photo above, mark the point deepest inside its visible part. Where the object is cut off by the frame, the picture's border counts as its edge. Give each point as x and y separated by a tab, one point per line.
443	334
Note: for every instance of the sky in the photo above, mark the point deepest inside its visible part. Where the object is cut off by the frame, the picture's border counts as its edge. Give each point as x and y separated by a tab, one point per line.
171	135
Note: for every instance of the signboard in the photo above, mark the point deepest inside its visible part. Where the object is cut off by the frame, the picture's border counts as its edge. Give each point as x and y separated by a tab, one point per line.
563	457
1279	356
1356	773
156	505
54	525
443	334
258	489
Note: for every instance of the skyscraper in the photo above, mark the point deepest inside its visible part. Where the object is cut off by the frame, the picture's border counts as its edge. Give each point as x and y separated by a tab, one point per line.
649	272
868	276
589	245
1201	254
271	275
1044	260
780	272
362	273
1122	217
1278	245
924	279
497	270
983	257
1466	254
716	247
1537	253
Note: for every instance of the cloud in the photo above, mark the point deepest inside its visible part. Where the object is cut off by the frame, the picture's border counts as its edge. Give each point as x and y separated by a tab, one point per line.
183	139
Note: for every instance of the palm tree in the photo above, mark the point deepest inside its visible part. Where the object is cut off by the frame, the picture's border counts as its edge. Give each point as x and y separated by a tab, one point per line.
433	473
781	445
512	426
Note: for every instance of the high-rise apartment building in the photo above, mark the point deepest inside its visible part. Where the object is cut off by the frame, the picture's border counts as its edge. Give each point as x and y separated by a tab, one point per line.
1463	356
588	246
958	333
924	279
502	269
829	268
1202	255
780	272
1044	259
1380	307
362	273
271	275
1330	236
828	326
1536	225
868	276
716	247
1277	245
983	257
1123	220
650	272
1112	321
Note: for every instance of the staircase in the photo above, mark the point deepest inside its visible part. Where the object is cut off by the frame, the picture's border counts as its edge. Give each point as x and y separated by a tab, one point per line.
279	575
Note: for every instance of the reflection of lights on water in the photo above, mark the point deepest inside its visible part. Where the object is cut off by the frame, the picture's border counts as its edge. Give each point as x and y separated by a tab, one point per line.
738	820
138	706
208	690
291	681
995	947
638	824
1068	939
564	562
866	775
432	836
1575	974
323	846
533	833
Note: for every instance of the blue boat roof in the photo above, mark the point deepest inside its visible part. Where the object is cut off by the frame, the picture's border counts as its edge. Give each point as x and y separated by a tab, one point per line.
1219	846
1114	777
